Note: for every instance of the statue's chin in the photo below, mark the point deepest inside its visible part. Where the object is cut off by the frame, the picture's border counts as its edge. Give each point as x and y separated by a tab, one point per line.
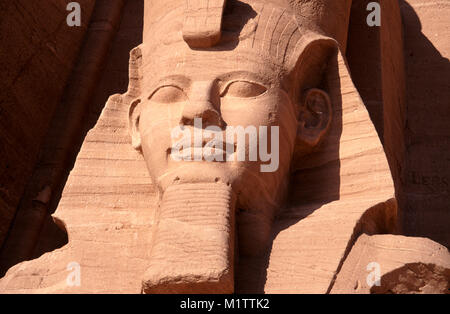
252	189
198	172
254	201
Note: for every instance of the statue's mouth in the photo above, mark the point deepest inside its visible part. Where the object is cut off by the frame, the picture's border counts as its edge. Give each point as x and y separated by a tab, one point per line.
212	151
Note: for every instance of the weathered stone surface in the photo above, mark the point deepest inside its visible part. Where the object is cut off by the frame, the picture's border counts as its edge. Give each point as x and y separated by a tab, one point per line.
60	141
107	208
194	241
203	22
37	52
136	224
401	264
413	120
425	170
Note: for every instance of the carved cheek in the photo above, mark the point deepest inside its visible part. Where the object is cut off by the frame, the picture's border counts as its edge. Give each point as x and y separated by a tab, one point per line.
155	126
162	115
272	109
255	111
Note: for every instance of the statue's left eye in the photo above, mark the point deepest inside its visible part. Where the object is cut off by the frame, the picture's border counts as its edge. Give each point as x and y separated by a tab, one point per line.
243	89
168	94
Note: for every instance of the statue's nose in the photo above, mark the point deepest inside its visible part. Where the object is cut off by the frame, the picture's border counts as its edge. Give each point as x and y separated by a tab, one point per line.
204	104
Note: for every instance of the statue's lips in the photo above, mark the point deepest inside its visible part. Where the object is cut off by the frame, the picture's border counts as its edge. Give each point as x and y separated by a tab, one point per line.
217	152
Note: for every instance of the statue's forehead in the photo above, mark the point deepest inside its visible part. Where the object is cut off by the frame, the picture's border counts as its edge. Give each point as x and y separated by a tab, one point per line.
207	65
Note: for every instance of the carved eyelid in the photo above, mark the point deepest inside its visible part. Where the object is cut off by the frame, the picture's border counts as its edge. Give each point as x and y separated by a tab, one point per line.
175	81
263	88
175	97
164	86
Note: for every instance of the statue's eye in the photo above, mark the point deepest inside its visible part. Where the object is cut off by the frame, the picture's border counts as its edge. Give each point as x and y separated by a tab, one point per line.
168	94
243	89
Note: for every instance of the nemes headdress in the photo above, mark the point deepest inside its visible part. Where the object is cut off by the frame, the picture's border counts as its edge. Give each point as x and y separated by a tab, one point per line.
281	31
203	23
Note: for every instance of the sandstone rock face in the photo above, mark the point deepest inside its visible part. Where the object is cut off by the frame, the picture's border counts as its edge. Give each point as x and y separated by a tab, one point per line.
399	79
137	221
32	231
107	208
426	175
37	55
395	264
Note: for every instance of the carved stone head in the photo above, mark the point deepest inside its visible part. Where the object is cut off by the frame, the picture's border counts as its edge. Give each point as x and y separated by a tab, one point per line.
206	67
246	63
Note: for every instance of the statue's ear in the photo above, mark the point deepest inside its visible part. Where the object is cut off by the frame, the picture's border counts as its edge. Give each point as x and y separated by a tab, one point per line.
310	91
314	118
133	120
133	96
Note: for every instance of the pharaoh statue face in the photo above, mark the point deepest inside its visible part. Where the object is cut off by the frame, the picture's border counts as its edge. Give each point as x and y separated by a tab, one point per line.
230	94
250	79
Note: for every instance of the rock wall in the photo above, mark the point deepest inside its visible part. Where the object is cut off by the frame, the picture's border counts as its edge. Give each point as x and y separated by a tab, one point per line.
37	53
404	84
33	230
425	172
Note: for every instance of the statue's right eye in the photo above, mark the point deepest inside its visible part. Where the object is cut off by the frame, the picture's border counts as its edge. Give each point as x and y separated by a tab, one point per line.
243	89
168	94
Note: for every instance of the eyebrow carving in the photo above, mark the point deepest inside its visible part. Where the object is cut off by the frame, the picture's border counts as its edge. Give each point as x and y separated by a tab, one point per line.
244	76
